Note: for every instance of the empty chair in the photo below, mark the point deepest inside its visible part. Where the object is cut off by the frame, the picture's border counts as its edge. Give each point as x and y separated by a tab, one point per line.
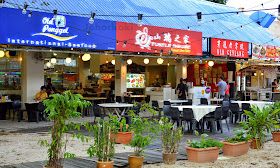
155	106
189	117
234	108
127	99
16	109
225	114
166	103
204	101
98	113
148	99
247	107
118	99
166	111
187	103
176	116
217	115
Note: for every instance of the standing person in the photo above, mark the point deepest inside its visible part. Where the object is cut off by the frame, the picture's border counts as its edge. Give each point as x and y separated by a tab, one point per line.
112	85
183	95
222	87
227	95
179	87
50	88
42	95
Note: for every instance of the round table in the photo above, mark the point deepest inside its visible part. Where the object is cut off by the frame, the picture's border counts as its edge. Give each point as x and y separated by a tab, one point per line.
116	107
199	111
259	104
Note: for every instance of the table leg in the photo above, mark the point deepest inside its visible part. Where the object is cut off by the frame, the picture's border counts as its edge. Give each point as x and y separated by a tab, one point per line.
117	113
104	110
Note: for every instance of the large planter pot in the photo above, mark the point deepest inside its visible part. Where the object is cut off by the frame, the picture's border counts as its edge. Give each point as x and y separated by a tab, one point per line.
169	158
135	161
235	149
123	137
255	145
109	164
202	155
276	136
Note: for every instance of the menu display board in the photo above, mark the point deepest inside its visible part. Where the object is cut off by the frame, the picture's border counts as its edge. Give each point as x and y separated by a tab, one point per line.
222	47
135	80
265	52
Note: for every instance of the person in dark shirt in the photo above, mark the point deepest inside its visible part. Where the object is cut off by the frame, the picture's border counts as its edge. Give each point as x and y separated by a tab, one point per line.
274	85
183	95
50	88
112	85
179	87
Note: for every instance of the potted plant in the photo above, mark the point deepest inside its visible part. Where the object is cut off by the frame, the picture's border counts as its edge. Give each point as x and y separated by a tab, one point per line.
275	130
121	130
143	133
103	147
61	109
203	151
239	145
170	137
259	122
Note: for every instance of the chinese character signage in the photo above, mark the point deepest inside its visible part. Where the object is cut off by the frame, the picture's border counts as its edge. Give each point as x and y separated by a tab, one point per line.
153	39
41	29
222	47
265	52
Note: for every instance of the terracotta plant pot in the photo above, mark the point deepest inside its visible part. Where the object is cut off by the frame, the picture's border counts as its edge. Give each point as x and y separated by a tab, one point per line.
109	164
169	158
276	136
123	137
135	161
202	155
254	145
235	149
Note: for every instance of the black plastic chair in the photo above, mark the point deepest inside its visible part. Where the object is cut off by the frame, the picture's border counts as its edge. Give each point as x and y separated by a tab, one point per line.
16	109
225	103
166	103
176	116
98	113
225	114
189	117
187	103
118	99
217	115
166	111
155	106
148	99
204	101
127	99
234	108
247	107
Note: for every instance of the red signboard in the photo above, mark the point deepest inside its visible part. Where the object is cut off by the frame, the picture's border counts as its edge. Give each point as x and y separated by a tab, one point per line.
222	47
152	39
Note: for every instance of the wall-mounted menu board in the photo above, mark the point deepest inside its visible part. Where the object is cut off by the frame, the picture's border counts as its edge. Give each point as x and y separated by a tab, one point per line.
135	80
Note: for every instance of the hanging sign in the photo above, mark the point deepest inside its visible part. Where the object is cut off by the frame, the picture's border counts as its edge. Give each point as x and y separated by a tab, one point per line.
42	29
152	39
265	52
222	47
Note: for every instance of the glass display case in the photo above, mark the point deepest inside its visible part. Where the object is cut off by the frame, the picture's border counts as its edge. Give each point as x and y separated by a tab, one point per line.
10	73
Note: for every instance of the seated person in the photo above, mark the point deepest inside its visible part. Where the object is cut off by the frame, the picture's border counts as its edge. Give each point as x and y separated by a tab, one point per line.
42	95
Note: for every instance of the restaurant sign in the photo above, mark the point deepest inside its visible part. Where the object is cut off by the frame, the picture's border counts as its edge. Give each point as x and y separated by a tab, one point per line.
152	39
222	47
42	29
265	52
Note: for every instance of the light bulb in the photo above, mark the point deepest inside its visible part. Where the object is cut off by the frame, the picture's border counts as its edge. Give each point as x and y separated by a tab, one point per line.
68	60
107	62
168	64
2	53
23	11
140	23
146	61
211	63
200	61
86	57
160	61
113	62
129	61
53	60
91	21
49	64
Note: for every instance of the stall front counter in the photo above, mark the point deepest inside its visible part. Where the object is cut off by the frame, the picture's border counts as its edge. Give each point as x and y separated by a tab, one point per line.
200	92
158	93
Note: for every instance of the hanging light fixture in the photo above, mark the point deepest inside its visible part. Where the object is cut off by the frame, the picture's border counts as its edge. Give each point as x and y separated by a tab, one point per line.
88	32
2	53
48	64
68	60
29	15
129	61
124	44
53	60
160	61
199	16
91	20
24	9
168	63
146	61
86	57
140	16
54	14
211	63
113	62
200	61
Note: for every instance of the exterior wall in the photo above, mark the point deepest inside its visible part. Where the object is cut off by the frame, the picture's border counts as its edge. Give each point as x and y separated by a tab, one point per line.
120	76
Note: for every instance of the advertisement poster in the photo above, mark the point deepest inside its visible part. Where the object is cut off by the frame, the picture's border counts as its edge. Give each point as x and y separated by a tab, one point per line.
236	49
135	80
152	39
265	52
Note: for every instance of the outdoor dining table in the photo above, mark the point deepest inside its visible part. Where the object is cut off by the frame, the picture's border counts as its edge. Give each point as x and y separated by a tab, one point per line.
116	107
259	104
92	99
199	111
174	101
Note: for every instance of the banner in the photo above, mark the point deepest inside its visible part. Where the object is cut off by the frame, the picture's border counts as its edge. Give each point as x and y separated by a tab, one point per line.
152	39
222	47
265	52
42	29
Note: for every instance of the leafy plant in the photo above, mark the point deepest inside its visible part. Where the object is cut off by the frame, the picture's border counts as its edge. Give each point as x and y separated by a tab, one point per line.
276	116
204	143
259	122
143	131
170	135
239	137
119	126
103	147
62	108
